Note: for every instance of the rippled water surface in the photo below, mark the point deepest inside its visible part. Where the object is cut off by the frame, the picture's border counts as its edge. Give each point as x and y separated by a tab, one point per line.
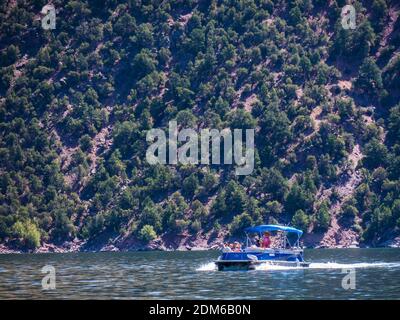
191	275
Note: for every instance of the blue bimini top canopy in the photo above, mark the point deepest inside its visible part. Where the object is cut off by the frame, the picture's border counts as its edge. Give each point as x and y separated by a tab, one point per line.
272	227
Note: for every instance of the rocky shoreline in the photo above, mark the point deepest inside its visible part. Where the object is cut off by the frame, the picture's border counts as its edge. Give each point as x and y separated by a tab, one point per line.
158	245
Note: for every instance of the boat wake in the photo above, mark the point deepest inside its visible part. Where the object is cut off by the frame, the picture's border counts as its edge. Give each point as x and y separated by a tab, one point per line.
318	265
207	267
332	265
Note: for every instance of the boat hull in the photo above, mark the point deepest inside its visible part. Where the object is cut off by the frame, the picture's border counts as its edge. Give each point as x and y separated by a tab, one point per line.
249	259
231	265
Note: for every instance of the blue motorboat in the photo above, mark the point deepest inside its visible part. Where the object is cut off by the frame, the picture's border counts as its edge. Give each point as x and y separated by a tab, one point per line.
284	250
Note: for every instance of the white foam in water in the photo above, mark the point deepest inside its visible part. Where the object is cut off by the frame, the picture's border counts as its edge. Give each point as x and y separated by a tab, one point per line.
207	267
318	265
331	265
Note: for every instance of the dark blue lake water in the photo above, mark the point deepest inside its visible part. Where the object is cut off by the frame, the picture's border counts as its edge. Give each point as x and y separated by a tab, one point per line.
192	275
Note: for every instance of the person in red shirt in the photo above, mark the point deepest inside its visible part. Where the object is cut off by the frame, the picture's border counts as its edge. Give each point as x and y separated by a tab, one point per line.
266	241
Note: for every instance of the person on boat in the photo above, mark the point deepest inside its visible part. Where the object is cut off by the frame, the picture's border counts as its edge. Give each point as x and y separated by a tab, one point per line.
256	240
227	247
238	247
266	240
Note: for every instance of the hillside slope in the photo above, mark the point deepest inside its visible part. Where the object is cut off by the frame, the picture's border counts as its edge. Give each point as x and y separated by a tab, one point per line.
77	101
